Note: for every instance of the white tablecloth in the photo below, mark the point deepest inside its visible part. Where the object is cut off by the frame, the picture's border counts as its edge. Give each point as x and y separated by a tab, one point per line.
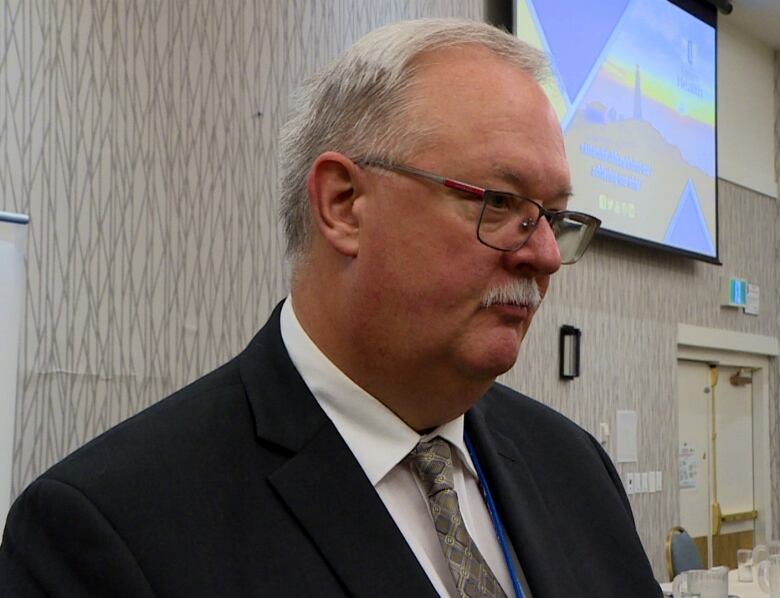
736	587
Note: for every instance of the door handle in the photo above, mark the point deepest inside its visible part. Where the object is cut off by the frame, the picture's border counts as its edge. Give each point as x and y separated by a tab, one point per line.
743	516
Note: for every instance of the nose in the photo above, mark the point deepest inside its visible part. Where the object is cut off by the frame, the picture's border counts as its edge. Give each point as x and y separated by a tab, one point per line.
539	255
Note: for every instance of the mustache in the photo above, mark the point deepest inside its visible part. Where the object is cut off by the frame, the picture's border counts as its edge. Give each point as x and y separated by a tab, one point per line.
520	291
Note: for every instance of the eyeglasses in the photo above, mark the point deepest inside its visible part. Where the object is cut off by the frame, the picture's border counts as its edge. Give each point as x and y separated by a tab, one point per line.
507	221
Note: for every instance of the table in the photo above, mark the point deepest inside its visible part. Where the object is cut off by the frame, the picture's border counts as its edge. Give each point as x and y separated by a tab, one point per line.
738	588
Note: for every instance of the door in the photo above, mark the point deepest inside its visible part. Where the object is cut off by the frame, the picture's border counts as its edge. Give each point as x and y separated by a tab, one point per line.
716	459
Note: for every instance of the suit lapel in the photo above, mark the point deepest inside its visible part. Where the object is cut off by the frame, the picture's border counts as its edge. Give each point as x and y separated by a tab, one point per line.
322	483
331	497
522	510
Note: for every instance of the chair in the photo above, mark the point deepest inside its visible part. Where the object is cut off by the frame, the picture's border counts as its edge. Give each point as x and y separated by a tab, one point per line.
681	552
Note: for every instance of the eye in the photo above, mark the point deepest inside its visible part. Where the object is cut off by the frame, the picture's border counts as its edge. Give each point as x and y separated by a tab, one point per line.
498	201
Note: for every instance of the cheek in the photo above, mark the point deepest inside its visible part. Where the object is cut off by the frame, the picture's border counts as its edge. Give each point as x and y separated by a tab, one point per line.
450	268
419	280
427	257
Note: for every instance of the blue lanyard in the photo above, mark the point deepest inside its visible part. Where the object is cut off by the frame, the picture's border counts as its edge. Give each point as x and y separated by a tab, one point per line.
494	517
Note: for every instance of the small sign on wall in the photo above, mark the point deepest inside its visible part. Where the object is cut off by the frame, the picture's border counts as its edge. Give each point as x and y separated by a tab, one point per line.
752	300
689	467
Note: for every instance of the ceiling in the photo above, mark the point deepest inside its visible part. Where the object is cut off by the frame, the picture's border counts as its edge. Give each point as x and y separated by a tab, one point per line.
758	18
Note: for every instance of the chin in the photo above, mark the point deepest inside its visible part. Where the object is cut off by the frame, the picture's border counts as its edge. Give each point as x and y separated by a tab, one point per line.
490	352
494	361
502	366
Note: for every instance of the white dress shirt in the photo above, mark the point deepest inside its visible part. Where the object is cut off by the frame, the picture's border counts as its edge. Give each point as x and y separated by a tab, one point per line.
380	441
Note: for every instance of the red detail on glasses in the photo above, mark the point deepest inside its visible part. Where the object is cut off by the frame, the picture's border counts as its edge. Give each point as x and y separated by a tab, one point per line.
463	187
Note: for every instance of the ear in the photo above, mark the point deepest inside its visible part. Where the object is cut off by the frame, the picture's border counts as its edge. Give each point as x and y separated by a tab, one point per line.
334	186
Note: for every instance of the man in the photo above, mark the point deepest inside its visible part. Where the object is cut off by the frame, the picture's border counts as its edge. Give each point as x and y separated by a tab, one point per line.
313	463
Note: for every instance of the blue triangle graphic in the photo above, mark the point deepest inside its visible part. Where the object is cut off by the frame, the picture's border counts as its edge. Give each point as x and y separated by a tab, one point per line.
687	229
563	21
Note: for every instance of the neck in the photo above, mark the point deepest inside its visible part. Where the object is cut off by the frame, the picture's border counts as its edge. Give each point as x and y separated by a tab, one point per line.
422	392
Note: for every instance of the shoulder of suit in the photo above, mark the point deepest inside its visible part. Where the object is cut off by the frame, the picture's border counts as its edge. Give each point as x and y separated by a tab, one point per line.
502	398
502	406
186	416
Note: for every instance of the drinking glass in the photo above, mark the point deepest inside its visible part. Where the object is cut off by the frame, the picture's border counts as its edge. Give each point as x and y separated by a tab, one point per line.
774	547
705	583
760	553
745	564
769	576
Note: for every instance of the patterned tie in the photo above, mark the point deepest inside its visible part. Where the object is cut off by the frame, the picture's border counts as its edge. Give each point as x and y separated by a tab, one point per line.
432	463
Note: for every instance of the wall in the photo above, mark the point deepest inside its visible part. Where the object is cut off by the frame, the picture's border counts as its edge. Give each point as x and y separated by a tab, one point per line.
746	108
775	387
777	119
130	135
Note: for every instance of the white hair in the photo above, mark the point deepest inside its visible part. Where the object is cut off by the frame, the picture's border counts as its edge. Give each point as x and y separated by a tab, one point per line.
356	104
518	291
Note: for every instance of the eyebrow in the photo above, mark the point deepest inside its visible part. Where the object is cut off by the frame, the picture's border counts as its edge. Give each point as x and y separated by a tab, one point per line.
517	179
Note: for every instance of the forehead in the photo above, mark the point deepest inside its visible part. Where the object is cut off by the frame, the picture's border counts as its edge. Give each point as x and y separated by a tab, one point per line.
482	108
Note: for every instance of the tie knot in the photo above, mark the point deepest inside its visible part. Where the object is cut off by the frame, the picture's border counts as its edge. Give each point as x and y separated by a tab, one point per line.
432	463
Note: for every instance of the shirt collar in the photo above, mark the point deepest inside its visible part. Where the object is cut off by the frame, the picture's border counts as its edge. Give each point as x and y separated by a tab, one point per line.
377	437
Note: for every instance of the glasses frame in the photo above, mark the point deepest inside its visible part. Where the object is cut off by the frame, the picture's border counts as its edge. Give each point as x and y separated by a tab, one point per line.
552	216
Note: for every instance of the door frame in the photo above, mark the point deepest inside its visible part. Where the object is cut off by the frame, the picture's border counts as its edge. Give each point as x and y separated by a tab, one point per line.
755	351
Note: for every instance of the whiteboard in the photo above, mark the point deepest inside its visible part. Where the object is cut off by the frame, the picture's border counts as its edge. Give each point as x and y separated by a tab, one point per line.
13	243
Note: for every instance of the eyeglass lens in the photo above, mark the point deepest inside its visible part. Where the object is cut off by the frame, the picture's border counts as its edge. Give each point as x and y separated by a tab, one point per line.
506	216
507	221
573	236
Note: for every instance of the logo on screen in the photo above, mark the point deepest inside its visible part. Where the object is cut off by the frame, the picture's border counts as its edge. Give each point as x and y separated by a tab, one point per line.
690	51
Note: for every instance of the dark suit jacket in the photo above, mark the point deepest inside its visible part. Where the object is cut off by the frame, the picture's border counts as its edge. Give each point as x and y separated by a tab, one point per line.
239	485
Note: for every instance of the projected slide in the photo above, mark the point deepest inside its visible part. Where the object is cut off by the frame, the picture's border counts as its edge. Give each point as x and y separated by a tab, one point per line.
634	88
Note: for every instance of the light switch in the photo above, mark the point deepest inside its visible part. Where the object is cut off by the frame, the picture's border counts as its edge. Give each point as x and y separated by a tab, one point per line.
644	485
630	483
651	482
658	484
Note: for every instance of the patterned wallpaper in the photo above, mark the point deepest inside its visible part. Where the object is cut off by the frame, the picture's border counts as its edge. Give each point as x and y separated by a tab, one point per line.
777	115
140	136
775	387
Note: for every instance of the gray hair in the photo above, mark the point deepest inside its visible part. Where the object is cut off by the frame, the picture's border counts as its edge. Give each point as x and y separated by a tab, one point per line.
355	105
